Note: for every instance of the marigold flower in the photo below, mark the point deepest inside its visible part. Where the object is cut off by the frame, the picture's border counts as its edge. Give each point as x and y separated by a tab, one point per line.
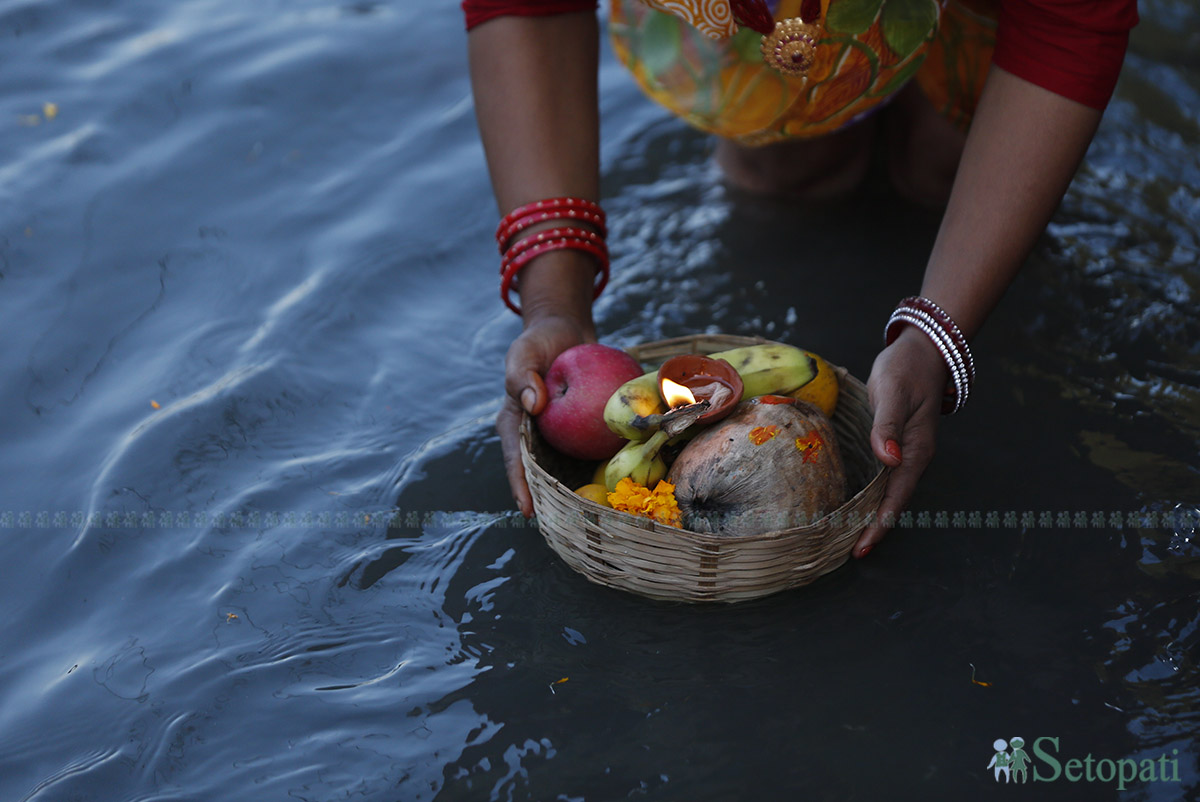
659	505
629	496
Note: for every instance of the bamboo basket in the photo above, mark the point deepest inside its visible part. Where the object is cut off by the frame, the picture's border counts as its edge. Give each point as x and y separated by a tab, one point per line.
639	555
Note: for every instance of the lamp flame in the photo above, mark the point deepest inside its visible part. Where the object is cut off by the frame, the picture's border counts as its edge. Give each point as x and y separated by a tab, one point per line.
675	394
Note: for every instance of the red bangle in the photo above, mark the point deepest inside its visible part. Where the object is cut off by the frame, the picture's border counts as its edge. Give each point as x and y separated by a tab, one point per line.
547	206
515	255
504	237
525	243
514	265
517	261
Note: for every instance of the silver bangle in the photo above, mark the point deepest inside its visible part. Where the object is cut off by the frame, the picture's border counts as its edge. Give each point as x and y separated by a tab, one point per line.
942	342
961	371
948	322
962	384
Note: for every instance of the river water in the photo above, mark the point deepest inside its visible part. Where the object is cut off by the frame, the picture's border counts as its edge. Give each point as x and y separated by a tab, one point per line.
257	543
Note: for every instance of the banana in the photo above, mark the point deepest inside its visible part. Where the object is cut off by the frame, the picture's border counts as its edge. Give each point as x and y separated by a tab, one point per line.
639	461
823	390
634	399
770	368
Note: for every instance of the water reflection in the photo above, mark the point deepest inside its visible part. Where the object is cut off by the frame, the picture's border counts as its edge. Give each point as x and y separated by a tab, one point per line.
272	220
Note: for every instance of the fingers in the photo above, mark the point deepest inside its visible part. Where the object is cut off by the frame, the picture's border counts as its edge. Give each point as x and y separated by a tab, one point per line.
918	447
902	437
900	486
887	432
535	389
530	356
525	391
522	380
508	424
529	392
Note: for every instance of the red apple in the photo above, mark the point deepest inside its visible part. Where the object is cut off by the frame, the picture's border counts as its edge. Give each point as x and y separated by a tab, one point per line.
579	383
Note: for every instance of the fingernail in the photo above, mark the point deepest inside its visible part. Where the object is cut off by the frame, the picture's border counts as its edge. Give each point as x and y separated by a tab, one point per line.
893	450
866	550
528	399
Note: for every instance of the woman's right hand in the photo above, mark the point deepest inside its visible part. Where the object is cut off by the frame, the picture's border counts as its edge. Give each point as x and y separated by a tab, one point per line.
534	80
529	357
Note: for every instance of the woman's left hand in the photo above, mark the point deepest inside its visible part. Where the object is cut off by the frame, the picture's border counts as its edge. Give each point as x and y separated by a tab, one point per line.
906	386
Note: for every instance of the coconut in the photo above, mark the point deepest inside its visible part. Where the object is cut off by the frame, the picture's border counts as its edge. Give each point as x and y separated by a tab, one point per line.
772	464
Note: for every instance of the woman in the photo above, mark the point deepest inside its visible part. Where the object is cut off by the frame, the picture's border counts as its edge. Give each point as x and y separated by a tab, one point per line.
534	73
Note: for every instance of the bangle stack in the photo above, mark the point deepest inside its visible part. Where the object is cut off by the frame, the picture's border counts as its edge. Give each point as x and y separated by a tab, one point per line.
516	252
924	314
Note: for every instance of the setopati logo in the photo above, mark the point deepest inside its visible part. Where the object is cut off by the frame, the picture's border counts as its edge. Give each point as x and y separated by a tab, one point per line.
1013	763
1010	764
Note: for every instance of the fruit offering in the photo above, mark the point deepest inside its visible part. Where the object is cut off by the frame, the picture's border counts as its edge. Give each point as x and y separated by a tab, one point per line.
772	464
579	383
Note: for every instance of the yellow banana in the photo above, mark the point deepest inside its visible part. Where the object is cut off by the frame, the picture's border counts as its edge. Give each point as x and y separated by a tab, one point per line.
823	390
639	461
770	368
634	399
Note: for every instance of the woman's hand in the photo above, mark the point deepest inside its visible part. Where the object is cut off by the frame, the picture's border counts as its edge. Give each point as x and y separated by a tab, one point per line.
534	82
906	386
529	357
1023	147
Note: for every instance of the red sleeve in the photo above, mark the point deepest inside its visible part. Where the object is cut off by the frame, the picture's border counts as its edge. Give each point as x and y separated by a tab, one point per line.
1073	48
478	11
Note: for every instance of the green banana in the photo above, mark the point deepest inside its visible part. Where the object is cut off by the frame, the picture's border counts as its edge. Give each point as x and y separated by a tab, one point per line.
770	368
636	398
639	461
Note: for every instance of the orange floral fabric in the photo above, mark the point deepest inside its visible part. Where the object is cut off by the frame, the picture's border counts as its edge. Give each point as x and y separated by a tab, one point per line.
713	18
865	54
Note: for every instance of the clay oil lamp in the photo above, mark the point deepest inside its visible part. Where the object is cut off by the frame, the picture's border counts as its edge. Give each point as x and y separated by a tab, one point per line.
697	389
